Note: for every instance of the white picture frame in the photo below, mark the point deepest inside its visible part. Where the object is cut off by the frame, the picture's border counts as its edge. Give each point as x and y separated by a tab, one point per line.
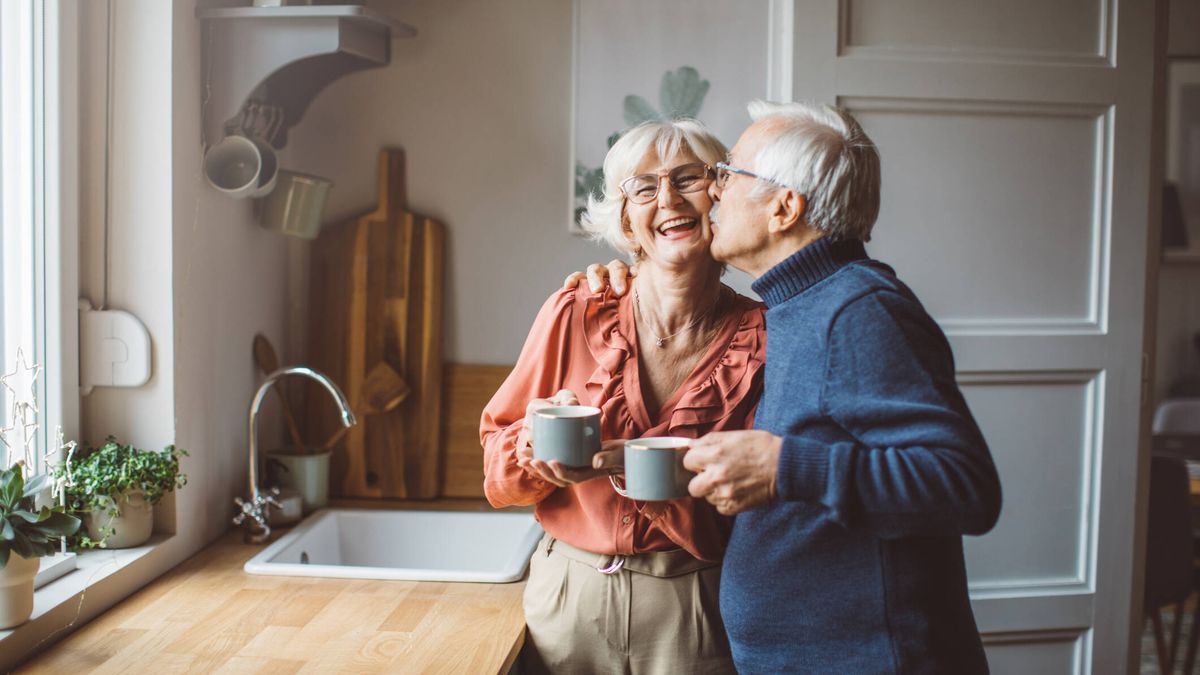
634	60
1183	140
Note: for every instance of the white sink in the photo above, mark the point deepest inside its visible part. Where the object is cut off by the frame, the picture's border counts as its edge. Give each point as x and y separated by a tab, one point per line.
408	545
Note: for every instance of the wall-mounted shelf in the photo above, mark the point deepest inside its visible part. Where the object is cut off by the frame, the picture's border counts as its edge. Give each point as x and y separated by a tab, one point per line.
285	56
1182	256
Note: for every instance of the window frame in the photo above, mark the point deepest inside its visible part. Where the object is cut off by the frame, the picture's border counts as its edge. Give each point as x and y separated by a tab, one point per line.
39	195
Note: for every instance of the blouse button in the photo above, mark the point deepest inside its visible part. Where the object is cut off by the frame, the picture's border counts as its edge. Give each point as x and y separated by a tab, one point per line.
626	520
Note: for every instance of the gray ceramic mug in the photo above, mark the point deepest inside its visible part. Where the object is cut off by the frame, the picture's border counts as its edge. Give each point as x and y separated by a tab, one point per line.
654	469
567	433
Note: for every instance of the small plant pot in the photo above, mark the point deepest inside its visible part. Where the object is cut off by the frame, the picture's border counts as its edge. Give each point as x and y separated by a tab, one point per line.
16	590
305	473
131	519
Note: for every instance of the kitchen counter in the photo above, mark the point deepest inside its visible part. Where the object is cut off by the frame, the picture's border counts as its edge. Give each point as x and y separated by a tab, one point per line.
208	615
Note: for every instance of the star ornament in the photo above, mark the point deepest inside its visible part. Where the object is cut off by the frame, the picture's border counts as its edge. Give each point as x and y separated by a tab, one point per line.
61	455
29	434
10	425
20	383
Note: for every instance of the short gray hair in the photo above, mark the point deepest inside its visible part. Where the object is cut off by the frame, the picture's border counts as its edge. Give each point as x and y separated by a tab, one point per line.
602	220
824	154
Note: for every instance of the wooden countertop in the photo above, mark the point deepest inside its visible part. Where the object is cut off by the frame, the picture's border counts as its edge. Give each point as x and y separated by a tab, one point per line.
208	615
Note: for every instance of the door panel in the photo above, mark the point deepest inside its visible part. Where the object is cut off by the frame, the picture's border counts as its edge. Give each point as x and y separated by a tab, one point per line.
1037	654
1008	182
1040	427
1031	30
1015	141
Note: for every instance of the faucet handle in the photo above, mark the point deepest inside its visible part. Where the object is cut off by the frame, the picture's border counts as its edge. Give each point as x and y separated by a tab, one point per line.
258	529
244	509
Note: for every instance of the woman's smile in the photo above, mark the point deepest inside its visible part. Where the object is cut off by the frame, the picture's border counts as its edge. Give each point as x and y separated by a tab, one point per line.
677	228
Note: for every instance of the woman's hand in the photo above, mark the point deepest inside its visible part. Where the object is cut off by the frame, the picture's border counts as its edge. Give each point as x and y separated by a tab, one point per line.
551	472
563	397
610	460
617	274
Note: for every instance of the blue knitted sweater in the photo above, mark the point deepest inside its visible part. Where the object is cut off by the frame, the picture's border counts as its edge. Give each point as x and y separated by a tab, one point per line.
857	567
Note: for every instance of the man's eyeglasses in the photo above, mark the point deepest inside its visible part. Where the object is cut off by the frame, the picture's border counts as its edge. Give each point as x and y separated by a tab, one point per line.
643	188
723	171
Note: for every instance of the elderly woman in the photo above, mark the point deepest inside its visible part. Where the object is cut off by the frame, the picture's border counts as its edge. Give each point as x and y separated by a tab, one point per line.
619	585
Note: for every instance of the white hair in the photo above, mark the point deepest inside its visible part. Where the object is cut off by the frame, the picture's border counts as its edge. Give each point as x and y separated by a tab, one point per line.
824	154
603	219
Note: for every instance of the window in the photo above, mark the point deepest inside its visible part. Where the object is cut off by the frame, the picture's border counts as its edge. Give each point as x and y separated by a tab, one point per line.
38	253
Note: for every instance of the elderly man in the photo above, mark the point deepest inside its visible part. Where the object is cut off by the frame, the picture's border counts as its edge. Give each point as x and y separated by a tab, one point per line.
865	467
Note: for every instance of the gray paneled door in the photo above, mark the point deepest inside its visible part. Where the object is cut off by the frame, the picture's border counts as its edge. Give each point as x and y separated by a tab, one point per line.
1015	142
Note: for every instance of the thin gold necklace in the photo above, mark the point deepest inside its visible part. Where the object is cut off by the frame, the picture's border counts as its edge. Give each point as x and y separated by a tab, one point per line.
659	341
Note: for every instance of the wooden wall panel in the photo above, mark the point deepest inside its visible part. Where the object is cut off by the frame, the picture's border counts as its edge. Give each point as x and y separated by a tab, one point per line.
467	389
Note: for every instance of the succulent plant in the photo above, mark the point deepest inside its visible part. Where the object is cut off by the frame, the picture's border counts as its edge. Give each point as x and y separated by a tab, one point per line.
24	529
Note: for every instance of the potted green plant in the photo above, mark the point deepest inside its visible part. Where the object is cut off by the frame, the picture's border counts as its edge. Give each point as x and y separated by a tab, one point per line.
115	487
26	534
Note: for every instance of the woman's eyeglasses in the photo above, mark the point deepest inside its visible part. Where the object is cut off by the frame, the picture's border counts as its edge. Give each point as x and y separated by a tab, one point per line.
643	188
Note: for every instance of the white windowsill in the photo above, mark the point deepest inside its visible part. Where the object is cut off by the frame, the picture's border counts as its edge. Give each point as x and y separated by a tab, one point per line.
54	567
92	567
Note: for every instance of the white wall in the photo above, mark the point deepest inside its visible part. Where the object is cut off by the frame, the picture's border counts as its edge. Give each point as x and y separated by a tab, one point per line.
230	283
480	101
140	207
190	263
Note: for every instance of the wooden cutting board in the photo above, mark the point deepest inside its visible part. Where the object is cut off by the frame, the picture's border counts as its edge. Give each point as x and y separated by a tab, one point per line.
376	295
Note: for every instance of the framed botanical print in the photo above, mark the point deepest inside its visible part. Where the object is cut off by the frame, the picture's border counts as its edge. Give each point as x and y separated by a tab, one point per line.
1183	141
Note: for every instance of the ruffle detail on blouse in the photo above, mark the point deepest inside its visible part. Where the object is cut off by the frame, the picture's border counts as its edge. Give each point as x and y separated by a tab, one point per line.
716	396
605	387
733	378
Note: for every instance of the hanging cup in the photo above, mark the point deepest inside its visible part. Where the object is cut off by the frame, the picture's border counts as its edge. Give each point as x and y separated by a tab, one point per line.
296	204
241	167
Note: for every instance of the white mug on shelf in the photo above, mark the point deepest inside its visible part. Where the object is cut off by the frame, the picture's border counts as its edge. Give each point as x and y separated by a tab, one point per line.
241	167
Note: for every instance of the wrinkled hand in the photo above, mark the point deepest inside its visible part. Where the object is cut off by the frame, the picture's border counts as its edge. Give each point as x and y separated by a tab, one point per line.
735	469
562	397
617	274
610	460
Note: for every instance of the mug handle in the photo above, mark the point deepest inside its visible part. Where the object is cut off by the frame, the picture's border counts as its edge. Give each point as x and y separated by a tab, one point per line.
620	489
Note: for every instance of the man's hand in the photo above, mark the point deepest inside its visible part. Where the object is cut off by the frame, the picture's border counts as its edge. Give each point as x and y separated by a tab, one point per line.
735	469
598	276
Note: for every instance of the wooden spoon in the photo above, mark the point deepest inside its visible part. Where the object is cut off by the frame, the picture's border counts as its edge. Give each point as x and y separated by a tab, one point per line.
268	362
382	391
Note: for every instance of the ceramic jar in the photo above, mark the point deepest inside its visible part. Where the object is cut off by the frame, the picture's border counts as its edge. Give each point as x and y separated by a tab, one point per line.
132	523
16	590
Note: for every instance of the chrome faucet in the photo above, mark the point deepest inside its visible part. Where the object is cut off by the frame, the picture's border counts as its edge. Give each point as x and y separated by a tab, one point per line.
254	513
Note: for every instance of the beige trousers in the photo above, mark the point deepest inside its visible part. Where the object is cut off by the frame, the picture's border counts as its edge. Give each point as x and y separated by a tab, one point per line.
656	614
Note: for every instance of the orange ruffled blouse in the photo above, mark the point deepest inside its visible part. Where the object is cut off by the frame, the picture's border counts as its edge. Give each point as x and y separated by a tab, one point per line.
588	343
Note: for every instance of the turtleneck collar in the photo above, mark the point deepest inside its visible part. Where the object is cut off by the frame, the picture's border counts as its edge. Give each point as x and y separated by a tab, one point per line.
806	267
